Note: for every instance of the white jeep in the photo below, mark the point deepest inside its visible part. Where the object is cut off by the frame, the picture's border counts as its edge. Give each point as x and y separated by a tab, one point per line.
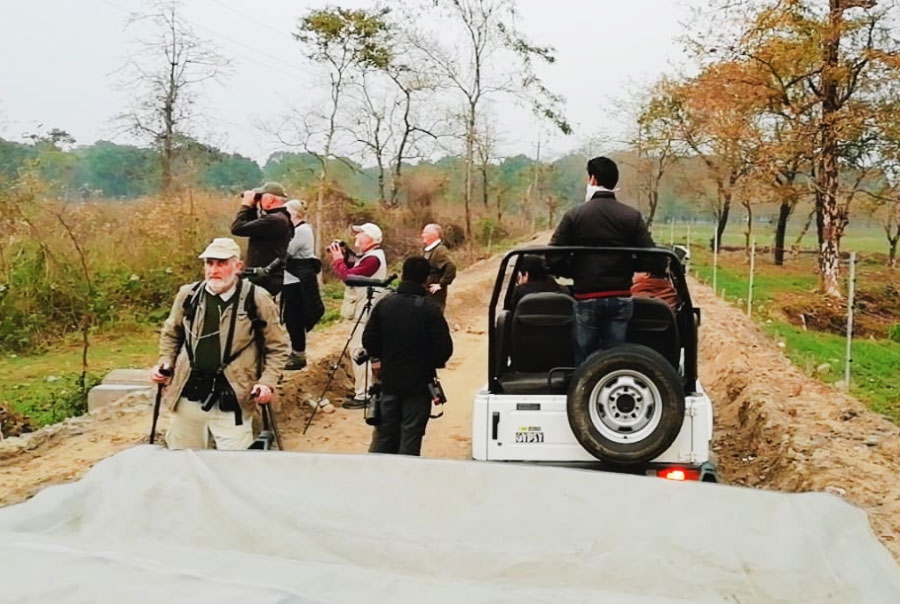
637	408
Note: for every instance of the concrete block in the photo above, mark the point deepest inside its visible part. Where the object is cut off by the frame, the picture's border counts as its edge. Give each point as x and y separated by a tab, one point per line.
128	376
106	394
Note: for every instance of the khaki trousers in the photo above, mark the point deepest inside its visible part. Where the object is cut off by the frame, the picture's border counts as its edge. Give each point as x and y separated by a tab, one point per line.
191	427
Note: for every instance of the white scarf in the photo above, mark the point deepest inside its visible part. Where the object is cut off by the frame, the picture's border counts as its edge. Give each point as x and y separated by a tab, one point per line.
593	189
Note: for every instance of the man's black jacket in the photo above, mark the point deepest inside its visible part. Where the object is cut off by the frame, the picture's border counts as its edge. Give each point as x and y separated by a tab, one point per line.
269	235
602	221
409	334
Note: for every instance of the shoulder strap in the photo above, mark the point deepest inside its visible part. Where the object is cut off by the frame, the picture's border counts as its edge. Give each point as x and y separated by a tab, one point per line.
257	325
190	303
189	307
229	340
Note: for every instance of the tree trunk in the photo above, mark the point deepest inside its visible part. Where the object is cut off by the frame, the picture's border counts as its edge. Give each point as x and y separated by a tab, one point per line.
484	184
784	213
470	159
722	223
653	203
828	210
892	253
381	196
748	230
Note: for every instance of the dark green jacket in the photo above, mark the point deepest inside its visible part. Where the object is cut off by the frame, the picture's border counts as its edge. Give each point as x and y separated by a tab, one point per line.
443	271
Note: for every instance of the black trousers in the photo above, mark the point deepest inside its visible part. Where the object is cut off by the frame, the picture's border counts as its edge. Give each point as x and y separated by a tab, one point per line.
292	315
403	421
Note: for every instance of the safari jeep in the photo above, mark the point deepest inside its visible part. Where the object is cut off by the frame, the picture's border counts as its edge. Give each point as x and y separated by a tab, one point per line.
636	408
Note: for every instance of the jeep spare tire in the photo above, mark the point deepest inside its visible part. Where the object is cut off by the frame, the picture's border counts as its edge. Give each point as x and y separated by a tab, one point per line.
626	404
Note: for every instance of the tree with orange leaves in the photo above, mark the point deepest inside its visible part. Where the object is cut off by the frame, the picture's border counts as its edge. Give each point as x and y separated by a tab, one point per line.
825	63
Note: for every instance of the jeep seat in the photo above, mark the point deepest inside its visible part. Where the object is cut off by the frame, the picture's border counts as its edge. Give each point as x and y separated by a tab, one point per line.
653	325
540	339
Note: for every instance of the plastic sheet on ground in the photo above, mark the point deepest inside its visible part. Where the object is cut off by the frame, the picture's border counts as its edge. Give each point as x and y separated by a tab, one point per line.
150	525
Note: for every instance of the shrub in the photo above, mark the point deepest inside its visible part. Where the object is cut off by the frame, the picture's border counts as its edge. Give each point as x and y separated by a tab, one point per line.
894	332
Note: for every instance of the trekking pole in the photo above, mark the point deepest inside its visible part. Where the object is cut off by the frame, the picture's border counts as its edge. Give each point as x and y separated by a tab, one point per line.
167	372
268	417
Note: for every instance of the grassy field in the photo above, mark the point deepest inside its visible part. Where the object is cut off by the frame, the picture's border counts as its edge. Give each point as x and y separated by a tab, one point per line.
782	294
45	387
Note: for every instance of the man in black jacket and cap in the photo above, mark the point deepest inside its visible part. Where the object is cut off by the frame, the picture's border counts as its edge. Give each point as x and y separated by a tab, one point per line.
264	219
408	339
602	282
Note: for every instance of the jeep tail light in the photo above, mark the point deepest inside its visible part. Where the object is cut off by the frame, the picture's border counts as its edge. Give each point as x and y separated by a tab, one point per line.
678	474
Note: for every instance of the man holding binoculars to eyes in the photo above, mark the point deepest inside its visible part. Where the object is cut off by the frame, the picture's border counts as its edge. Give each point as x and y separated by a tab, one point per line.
370	262
264	219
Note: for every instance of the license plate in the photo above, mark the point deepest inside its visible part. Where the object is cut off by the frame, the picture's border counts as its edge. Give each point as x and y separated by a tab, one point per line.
529	437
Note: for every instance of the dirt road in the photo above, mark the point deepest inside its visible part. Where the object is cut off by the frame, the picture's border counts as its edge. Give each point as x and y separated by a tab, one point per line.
775	427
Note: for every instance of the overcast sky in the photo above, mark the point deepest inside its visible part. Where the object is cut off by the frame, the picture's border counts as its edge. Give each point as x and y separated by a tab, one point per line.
59	62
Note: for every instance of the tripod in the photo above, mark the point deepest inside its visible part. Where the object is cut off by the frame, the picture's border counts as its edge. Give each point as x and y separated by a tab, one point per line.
370	285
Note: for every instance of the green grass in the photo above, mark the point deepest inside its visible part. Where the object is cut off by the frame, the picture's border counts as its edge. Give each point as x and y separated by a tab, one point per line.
858	237
875	371
45	387
875	374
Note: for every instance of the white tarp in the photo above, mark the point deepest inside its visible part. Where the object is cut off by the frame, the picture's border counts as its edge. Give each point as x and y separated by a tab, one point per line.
150	525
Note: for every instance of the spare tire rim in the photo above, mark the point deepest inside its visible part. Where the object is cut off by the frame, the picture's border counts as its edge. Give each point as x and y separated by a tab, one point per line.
625	406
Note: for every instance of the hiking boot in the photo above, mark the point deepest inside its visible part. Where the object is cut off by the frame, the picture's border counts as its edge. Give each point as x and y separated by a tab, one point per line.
355	403
296	361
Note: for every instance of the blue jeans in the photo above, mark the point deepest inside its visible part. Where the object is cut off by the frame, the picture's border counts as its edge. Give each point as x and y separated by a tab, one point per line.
600	323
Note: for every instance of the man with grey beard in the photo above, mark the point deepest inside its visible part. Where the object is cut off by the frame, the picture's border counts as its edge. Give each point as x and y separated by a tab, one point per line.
222	351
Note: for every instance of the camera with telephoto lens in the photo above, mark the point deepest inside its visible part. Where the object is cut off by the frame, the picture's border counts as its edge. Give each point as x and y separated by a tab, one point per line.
254	273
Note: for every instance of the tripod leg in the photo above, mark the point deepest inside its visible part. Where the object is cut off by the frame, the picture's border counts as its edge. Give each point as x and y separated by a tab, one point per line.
337	365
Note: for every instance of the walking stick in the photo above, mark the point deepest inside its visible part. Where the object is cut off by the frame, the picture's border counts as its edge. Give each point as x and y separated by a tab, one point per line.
167	372
268	417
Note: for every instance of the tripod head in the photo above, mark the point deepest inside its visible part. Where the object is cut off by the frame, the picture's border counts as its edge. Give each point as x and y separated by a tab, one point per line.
354	281
370	284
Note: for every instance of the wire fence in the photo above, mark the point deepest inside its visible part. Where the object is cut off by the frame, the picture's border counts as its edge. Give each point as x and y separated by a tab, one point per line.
850	259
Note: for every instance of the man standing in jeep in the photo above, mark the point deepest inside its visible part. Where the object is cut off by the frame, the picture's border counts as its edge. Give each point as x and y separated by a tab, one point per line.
264	219
603	304
221	350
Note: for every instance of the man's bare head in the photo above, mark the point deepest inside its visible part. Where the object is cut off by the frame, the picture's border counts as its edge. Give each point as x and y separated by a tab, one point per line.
431	233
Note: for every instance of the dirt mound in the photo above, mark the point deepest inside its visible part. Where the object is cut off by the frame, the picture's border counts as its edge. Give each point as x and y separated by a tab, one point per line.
777	428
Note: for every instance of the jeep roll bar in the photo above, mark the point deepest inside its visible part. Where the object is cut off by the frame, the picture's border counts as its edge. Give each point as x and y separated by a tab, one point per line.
687	317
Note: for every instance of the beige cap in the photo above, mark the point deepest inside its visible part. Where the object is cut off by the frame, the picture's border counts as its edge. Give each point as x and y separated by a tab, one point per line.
222	248
370	229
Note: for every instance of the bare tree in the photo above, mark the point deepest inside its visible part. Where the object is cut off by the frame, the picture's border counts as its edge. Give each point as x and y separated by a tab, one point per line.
165	75
489	57
340	40
656	143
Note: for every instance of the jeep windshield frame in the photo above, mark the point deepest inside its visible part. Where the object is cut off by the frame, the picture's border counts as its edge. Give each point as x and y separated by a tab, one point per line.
687	316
